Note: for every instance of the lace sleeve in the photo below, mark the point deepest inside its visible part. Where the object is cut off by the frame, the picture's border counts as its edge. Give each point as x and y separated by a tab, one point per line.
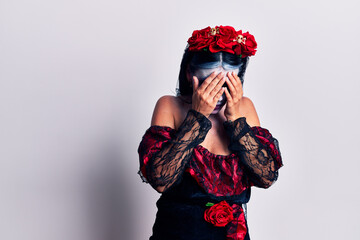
258	150
162	163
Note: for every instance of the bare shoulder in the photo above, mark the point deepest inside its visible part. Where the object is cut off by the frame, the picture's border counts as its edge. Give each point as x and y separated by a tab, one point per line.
165	110
251	115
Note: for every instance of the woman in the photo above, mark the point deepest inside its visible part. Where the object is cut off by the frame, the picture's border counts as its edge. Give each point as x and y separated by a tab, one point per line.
205	147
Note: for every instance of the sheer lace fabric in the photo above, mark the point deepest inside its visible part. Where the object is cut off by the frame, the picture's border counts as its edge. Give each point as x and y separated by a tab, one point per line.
165	164
257	149
165	153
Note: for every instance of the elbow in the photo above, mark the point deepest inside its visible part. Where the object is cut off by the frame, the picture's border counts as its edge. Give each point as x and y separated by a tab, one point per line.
269	179
267	183
264	182
160	189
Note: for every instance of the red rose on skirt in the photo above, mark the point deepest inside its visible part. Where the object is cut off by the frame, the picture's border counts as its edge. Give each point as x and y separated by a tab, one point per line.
219	214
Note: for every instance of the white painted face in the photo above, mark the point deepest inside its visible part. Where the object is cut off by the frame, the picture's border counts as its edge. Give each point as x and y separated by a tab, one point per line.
205	71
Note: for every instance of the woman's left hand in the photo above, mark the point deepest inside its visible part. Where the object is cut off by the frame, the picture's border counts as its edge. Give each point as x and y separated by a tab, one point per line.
234	94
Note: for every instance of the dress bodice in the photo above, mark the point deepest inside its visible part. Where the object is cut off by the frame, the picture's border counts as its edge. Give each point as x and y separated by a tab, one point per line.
209	177
217	175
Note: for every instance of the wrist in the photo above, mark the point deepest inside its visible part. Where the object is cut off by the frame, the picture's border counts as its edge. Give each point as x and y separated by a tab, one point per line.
202	120
232	118
198	111
236	129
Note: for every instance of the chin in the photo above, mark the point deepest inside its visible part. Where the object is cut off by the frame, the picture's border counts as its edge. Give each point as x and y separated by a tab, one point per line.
216	111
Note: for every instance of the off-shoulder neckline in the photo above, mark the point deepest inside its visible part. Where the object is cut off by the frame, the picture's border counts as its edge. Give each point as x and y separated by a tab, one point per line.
205	151
199	147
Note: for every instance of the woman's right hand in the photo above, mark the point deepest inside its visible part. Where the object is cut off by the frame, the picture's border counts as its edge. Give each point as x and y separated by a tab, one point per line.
206	95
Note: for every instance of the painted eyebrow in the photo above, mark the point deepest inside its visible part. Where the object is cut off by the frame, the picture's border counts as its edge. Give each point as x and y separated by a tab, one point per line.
207	72
227	66
208	65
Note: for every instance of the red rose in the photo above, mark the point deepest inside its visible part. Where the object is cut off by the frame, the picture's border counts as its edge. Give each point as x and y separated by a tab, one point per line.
222	46
250	45
224	40
227	34
219	214
200	39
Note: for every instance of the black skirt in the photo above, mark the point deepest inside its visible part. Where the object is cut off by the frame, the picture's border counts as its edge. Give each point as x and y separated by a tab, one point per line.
180	214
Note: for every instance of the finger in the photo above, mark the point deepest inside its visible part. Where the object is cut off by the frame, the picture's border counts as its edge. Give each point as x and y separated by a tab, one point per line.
207	81
195	83
213	83
231	87
233	81
217	88
237	79
219	93
228	96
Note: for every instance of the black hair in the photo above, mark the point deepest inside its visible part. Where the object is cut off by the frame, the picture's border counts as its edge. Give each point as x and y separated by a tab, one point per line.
192	60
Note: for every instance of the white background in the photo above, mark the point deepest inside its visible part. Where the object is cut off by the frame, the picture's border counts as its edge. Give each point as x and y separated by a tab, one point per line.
79	81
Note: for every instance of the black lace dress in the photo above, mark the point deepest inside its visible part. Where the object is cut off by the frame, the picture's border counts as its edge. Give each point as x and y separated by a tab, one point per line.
204	195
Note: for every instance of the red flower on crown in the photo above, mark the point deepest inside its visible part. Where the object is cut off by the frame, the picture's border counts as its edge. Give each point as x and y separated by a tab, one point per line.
223	38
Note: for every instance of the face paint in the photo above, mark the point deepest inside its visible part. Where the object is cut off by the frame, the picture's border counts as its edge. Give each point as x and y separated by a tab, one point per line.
203	73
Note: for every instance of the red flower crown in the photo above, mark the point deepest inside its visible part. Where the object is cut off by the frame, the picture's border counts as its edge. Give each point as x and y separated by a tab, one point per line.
223	39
